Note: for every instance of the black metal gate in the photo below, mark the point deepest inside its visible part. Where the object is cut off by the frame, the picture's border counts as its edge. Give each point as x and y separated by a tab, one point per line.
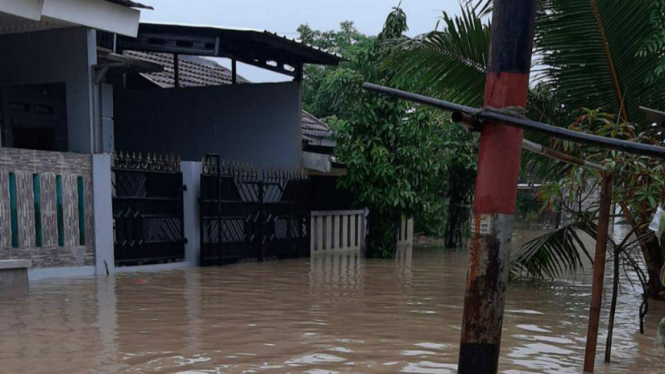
251	214
147	210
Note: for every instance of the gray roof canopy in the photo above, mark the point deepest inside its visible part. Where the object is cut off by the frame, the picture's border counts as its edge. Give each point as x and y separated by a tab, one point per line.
254	47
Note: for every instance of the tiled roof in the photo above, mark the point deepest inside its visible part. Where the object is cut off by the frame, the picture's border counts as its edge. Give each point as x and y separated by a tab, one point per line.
194	71
200	72
314	127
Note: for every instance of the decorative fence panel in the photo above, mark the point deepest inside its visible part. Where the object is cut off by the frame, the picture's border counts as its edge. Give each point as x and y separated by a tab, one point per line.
249	214
46	210
338	231
147	210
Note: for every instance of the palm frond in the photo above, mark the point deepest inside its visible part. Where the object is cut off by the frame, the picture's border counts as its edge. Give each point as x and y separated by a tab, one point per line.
448	64
481	7
554	254
588	55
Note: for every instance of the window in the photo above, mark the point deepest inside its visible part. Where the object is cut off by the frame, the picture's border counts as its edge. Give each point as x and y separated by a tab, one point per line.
34	117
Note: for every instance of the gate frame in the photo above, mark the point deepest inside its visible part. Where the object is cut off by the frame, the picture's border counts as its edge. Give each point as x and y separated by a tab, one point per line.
257	235
150	166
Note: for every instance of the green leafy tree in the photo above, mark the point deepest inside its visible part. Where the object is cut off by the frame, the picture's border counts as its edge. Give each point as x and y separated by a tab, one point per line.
389	147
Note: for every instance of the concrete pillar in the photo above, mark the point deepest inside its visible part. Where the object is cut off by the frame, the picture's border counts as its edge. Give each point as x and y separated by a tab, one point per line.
106	121
103	207
107	318
191	177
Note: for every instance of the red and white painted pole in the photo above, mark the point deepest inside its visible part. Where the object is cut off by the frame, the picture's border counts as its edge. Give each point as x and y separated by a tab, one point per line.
513	27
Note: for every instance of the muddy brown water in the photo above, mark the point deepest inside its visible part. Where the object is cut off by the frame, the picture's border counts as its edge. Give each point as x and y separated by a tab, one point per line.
325	315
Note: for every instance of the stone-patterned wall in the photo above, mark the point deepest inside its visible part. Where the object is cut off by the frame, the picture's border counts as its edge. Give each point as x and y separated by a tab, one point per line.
48	165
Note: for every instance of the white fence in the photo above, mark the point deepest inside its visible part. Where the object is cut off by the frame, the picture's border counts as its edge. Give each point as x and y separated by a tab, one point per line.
405	232
338	231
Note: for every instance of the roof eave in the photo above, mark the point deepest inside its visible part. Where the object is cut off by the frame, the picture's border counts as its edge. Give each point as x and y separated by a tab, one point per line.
220	42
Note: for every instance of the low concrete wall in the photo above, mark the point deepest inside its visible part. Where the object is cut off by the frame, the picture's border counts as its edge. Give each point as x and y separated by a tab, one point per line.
59	273
41	222
14	277
338	231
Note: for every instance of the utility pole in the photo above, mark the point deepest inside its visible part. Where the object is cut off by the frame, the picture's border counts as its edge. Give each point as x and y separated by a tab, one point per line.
513	27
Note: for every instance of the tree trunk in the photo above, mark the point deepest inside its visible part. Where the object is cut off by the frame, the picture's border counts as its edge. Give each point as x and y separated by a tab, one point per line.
452	231
613	307
381	235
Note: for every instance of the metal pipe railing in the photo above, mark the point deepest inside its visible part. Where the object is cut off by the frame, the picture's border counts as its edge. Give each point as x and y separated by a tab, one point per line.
466	114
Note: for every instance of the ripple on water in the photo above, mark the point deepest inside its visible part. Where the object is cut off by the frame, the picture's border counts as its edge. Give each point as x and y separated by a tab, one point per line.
428	367
432	345
315	359
325	315
417	353
533	328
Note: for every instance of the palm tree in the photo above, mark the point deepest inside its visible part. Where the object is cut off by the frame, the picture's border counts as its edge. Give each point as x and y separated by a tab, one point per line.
586	55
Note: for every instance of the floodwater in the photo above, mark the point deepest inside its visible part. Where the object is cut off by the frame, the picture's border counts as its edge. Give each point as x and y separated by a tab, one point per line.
325	315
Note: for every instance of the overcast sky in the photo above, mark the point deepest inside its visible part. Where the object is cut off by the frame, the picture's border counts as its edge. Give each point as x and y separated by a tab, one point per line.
284	16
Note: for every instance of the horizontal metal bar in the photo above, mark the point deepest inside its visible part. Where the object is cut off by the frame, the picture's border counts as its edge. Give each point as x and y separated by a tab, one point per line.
176	215
323	213
147	198
145	171
548	152
224	218
524	124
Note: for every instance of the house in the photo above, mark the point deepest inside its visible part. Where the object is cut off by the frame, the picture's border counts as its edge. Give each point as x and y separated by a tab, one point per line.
99	169
331	206
50	212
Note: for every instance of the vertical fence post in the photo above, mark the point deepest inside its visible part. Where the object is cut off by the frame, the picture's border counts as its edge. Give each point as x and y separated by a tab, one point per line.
261	232
513	28
218	161
598	273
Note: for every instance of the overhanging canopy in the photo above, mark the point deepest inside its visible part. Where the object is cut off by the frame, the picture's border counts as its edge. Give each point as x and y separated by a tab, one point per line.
115	16
254	47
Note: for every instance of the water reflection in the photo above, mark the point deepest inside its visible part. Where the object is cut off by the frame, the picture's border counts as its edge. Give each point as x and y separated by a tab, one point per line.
337	274
329	314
